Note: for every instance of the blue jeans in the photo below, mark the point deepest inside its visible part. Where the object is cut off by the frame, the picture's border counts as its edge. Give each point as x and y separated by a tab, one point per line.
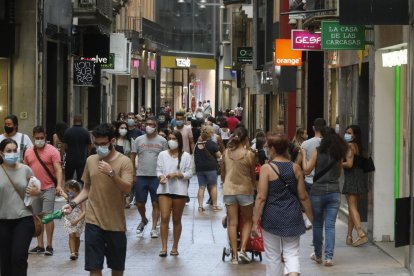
325	209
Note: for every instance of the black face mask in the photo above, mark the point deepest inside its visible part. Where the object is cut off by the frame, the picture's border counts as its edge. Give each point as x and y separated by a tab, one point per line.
8	129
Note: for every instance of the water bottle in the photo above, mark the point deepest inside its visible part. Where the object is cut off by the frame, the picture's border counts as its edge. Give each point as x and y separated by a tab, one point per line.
57	214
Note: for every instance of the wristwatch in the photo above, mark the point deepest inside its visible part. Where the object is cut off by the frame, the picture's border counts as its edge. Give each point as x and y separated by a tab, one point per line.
111	173
73	204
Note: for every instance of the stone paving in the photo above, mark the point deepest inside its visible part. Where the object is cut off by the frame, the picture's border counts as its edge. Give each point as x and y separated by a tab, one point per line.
201	250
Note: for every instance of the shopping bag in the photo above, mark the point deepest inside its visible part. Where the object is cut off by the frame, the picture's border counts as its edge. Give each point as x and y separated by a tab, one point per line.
254	243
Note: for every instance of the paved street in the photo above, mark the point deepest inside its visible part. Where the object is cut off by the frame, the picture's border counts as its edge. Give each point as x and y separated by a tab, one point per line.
201	247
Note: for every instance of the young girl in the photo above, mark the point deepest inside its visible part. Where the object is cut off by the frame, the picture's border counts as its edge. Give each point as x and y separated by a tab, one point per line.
74	223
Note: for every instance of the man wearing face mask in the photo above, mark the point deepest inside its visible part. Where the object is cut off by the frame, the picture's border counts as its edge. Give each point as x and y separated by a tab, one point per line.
108	176
186	132
147	147
133	131
44	160
11	125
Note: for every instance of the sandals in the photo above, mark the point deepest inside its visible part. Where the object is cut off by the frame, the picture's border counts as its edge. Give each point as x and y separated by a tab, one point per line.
349	240
163	254
360	241
201	209
174	253
217	208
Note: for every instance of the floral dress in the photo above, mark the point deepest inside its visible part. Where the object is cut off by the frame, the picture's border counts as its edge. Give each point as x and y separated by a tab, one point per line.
79	227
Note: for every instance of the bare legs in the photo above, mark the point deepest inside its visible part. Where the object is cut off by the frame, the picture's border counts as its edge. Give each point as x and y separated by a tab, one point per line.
50	227
233	220
167	204
354	219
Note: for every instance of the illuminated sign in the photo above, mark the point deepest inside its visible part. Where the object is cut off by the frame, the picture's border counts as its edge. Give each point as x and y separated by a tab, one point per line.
245	54
304	40
395	58
183	62
285	56
105	62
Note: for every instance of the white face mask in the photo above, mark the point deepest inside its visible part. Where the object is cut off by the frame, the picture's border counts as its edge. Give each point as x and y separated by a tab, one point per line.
348	137
123	131
149	130
40	143
172	144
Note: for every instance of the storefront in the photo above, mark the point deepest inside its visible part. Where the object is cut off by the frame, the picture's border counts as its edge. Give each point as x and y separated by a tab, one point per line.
187	80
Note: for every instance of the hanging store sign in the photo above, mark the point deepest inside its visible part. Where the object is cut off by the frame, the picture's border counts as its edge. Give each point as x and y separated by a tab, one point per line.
395	58
304	40
342	37
183	62
84	73
285	56
245	54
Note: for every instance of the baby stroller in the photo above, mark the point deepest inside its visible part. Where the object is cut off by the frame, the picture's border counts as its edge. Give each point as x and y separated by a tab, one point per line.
254	244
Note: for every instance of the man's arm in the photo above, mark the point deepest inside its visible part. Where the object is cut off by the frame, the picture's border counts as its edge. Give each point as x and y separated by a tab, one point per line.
59	176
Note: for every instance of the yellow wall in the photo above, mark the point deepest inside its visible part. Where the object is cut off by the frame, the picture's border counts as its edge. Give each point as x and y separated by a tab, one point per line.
196	63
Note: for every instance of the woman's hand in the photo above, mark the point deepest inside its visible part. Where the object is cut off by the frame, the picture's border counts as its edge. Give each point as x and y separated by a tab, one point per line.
254	232
174	175
163	179
74	222
32	190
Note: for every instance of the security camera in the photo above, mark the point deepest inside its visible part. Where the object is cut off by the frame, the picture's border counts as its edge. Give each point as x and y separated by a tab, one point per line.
293	22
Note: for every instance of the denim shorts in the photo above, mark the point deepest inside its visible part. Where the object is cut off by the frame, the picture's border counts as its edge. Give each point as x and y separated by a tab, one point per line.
242	200
99	244
207	178
145	185
45	203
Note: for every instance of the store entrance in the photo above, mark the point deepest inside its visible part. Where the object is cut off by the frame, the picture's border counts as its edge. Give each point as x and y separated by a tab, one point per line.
175	89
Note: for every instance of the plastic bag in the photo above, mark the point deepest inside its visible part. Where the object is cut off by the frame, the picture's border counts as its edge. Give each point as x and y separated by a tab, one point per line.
28	199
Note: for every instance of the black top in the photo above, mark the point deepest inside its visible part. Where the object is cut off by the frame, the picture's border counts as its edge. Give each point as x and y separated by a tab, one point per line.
77	140
261	154
134	133
204	158
196	133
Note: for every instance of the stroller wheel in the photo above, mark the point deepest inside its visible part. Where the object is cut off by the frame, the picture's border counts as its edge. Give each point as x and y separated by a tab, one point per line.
223	258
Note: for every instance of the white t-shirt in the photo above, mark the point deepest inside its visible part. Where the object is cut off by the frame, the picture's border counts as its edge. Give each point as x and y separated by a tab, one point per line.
309	146
18	138
167	164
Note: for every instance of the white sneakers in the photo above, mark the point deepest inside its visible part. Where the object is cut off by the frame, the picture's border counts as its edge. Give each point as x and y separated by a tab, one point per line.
154	234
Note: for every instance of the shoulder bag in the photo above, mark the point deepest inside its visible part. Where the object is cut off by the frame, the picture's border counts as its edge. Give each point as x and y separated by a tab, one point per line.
45	167
36	219
287	186
22	148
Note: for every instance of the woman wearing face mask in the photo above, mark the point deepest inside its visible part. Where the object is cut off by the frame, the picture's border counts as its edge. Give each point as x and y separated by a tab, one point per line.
11	124
354	185
122	144
16	220
174	168
294	146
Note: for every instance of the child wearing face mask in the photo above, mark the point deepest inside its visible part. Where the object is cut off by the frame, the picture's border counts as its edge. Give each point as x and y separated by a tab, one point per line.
74	223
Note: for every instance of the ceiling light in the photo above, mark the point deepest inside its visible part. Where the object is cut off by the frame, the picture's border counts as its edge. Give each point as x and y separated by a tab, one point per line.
202	6
181	1
203	1
222	6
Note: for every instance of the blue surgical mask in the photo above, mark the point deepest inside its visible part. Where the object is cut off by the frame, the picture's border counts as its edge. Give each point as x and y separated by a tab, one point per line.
11	158
103	151
348	137
180	123
70	195
131	122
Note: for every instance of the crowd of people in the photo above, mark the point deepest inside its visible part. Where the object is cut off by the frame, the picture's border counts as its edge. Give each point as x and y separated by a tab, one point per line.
283	187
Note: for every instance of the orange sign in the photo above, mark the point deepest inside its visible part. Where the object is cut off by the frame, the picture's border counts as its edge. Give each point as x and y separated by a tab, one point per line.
285	56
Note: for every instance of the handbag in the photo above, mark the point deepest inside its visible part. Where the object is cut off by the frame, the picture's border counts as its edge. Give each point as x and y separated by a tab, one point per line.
51	176
368	165
36	220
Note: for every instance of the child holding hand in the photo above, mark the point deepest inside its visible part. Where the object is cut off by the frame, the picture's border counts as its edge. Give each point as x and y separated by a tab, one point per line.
74	223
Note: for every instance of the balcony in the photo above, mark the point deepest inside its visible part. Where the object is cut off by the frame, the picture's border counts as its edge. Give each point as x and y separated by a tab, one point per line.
93	12
132	31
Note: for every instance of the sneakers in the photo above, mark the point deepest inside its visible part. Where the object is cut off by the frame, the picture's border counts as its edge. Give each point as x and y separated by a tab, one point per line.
154	233
243	256
49	251
314	258
328	262
141	227
234	262
37	250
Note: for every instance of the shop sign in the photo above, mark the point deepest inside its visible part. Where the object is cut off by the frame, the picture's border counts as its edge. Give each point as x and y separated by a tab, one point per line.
105	62
84	73
342	37
304	40
245	54
285	56
394	58
183	62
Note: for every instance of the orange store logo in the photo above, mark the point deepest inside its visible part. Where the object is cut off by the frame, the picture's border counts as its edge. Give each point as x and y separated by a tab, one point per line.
285	56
